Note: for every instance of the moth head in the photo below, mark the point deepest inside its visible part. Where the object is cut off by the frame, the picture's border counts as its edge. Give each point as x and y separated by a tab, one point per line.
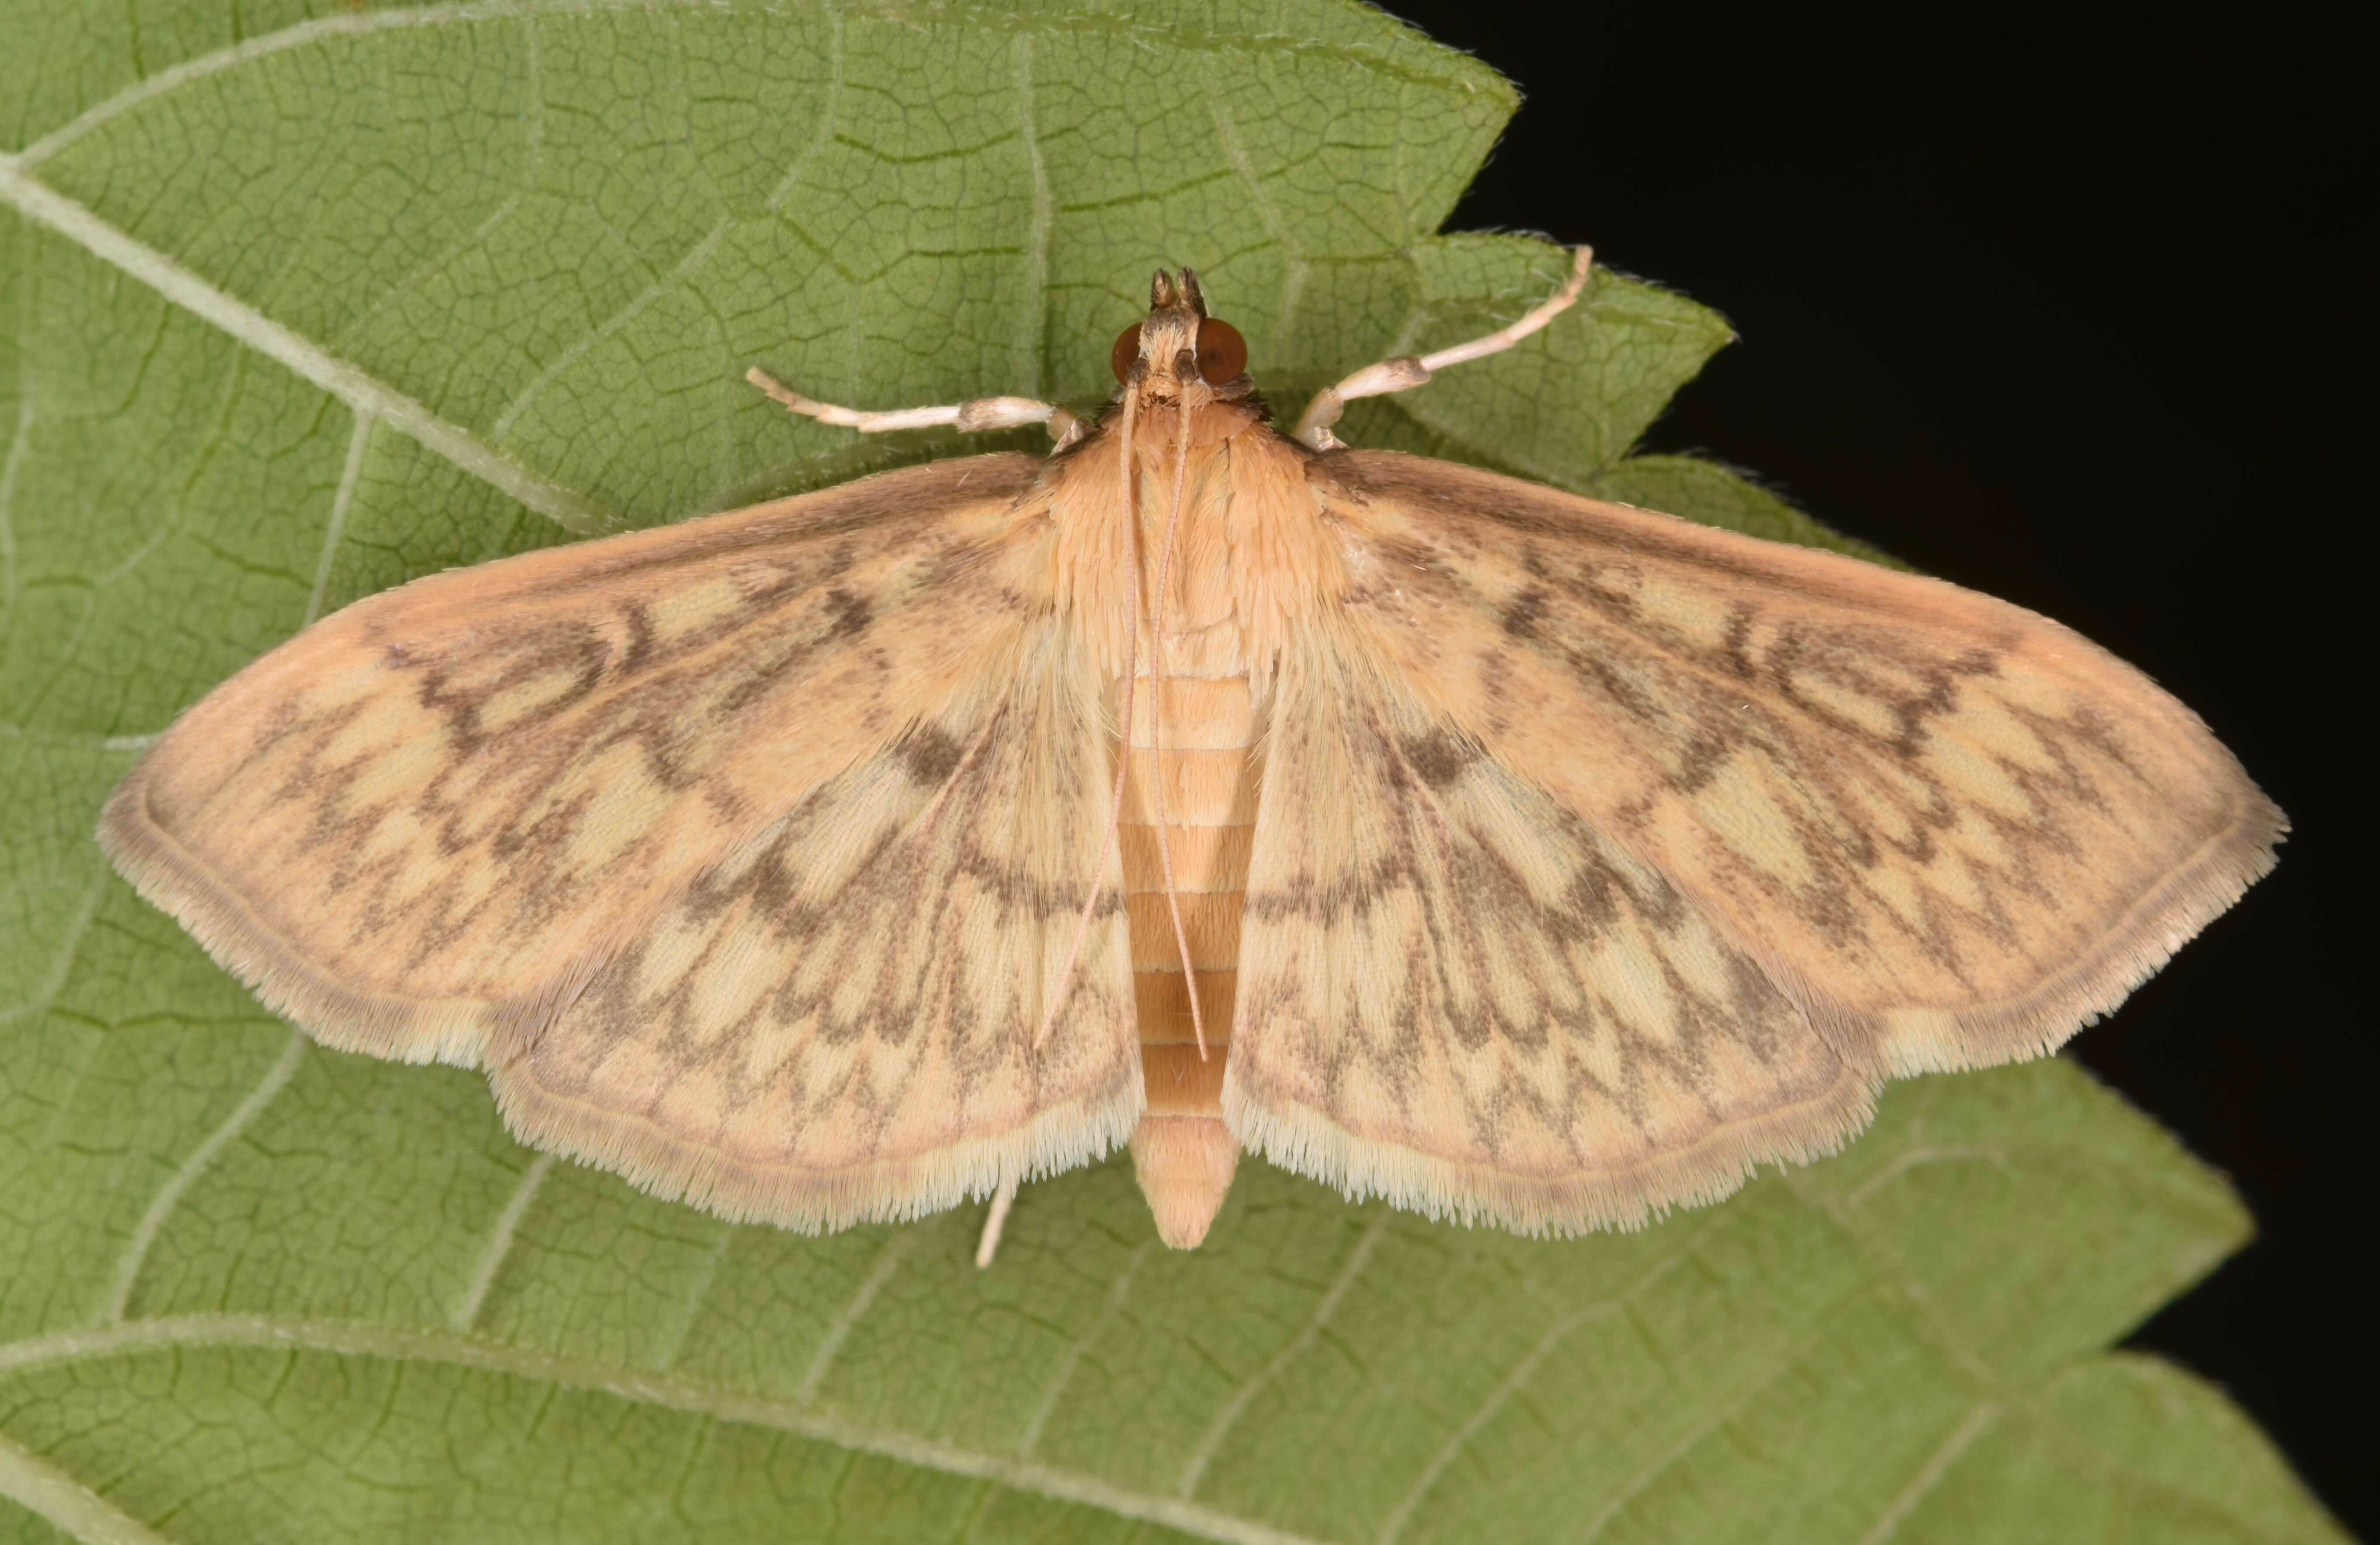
1178	351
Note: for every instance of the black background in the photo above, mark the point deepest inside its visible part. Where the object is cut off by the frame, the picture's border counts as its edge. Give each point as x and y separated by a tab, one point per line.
2059	308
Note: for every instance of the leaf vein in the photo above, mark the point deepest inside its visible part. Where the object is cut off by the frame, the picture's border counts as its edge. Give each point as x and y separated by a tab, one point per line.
1724	1411
1929	1475
301	355
1037	240
41	1487
9	470
54	982
1063	1374
1227	134
332	530
1519	1376
169	1195
680	270
700	1288
500	1241
344	1338
1202	1454
838	1330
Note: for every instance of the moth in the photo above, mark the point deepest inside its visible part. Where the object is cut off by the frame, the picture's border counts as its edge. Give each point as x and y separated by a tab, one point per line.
1517	857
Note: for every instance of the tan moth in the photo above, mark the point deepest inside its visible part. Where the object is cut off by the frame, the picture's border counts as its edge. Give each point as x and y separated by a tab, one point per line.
1516	858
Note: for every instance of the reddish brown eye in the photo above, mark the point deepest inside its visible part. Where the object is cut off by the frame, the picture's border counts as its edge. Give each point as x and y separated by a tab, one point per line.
1222	353
1127	350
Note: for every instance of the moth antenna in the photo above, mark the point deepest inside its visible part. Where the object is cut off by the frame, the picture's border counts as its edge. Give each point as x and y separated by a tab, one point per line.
1408	371
1124	751
1157	719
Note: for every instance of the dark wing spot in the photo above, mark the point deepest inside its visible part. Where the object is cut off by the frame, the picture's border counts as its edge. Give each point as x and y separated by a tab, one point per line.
1520	618
851	613
1438	758
930	755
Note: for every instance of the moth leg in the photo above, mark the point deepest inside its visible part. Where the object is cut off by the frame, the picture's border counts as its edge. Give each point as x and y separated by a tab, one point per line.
972	417
1409	371
1001	1200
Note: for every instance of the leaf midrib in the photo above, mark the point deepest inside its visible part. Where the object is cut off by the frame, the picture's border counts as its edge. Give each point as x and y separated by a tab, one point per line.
363	392
354	1338
371	398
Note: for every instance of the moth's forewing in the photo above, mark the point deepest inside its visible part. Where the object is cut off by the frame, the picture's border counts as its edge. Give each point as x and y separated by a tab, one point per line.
1678	844
472	819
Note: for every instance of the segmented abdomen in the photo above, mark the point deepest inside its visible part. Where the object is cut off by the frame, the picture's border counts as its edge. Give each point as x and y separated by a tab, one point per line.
1182	1151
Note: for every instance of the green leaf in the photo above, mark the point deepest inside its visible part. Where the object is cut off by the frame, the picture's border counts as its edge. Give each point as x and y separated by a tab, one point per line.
296	305
1721	496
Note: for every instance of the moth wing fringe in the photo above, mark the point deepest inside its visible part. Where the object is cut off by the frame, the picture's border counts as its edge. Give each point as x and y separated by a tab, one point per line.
169	877
1561	1205
663	1164
2167	916
1060	1138
1913	1042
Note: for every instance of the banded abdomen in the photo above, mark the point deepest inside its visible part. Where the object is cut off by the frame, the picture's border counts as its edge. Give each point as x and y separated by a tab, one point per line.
1182	1151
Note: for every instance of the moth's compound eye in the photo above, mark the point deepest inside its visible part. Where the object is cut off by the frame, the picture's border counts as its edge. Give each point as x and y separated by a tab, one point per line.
1127	350
1222	353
